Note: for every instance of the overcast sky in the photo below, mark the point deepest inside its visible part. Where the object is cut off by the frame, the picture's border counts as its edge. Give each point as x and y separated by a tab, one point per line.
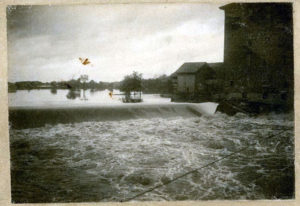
45	42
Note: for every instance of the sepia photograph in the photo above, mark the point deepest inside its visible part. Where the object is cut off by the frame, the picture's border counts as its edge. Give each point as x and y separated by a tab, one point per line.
151	102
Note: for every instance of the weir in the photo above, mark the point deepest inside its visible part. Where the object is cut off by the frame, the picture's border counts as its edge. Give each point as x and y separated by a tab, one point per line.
29	117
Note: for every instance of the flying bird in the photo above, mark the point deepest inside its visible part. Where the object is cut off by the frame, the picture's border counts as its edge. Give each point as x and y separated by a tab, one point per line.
84	61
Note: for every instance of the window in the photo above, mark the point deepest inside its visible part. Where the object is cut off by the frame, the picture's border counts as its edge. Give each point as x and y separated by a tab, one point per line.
249	42
283	96
249	59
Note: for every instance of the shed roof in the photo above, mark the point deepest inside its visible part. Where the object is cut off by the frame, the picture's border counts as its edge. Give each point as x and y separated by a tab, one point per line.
229	6
190	67
216	66
239	6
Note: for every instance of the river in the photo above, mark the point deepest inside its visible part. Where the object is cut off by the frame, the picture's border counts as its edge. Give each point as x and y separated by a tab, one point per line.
62	97
114	160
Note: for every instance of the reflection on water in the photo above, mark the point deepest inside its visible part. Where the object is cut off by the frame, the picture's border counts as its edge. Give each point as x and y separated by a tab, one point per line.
65	97
73	94
53	91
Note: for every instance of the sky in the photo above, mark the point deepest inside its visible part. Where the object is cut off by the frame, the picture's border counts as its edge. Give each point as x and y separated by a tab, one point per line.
45	42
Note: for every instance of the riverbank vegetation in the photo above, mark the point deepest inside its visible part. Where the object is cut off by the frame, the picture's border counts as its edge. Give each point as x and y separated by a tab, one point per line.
159	85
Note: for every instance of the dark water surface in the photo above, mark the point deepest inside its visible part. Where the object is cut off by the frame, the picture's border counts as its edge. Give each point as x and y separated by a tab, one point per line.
113	160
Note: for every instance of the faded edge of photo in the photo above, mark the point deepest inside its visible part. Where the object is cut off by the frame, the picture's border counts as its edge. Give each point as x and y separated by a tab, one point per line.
5	188
5	194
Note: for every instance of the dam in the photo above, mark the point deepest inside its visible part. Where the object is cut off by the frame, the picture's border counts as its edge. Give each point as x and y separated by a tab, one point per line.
45	108
23	117
73	152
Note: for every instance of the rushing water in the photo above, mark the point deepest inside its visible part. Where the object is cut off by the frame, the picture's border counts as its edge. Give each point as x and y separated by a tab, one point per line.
115	160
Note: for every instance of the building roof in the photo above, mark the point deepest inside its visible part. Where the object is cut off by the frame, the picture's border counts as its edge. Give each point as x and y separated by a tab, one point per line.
231	5
190	67
216	66
244	5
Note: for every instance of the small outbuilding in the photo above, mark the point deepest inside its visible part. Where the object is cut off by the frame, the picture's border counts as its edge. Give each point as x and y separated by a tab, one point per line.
192	76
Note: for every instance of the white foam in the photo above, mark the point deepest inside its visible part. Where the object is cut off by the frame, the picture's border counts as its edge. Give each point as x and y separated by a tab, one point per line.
129	153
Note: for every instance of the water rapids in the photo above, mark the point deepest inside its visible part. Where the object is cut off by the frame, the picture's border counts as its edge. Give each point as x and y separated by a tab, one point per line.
115	160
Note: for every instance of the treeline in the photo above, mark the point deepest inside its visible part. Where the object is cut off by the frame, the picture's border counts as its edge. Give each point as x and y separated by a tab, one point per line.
160	85
71	84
